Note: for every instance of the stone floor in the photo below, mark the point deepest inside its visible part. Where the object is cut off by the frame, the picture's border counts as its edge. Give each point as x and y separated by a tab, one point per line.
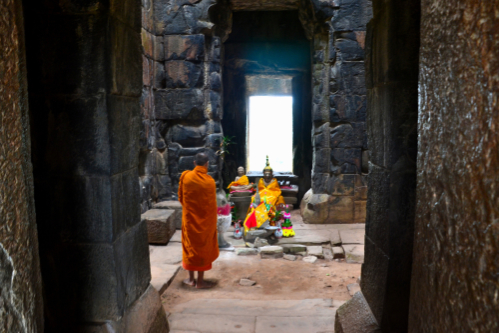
289	296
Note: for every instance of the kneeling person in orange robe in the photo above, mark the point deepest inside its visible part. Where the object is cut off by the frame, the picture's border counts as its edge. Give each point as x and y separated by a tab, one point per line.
197	194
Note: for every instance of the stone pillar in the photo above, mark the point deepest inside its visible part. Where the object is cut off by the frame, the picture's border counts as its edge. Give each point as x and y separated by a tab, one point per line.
181	97
392	47
84	72
454	286
21	306
339	116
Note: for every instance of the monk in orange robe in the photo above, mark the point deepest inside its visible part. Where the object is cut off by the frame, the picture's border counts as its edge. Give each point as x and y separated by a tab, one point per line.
197	194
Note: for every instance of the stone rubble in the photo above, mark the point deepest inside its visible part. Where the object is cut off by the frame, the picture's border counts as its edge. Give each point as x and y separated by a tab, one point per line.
310	259
247	282
315	251
271	252
289	257
244	251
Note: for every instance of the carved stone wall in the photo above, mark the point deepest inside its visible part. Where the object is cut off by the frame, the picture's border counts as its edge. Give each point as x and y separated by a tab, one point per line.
85	83
182	97
21	306
455	272
339	168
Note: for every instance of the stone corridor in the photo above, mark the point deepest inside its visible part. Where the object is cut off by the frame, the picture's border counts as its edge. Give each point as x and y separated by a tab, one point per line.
285	294
103	104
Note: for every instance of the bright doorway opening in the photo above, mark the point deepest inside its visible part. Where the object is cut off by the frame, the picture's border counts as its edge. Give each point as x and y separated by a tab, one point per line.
270	132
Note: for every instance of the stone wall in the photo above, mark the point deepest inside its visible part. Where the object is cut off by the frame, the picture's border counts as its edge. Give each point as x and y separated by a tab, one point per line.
21	306
455	273
85	83
181	96
392	72
339	182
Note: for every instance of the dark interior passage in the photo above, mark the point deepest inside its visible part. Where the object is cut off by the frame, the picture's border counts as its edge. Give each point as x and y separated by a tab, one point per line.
267	53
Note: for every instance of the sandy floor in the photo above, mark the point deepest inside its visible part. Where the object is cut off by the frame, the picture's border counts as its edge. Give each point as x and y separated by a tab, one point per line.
277	279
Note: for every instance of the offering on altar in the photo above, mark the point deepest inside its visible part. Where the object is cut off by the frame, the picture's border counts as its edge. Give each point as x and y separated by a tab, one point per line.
265	203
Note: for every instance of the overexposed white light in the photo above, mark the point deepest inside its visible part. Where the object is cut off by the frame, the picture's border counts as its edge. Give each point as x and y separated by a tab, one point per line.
270	132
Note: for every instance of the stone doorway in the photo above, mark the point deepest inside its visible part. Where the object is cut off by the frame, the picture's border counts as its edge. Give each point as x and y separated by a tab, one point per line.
267	53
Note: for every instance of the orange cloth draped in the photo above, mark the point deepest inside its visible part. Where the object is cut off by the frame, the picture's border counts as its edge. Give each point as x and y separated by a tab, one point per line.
272	192
240	182
197	194
270	196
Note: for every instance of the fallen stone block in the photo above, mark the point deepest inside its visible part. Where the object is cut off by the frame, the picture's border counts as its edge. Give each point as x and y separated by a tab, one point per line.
310	259
246	251
354	254
160	225
315	251
271	252
172	205
289	257
246	282
355	316
293	248
338	252
260	242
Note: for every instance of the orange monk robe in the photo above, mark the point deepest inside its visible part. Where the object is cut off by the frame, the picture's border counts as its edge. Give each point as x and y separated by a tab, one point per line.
270	196
197	194
240	182
272	192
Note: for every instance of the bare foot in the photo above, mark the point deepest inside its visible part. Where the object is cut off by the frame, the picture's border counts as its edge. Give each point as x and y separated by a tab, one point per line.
206	285
189	282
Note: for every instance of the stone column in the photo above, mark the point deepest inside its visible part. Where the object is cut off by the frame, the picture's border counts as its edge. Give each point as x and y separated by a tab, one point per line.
84	72
21	306
392	48
339	169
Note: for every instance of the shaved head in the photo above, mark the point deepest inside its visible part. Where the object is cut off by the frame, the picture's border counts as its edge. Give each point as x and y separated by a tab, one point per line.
201	159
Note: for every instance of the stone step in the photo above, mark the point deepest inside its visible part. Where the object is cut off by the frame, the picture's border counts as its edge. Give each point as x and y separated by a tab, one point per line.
352	236
160	225
274	308
170	254
173	205
162	276
354	253
255	316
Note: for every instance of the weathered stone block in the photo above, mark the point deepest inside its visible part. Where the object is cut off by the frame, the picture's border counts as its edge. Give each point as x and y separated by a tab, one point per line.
349	49
355	316
352	15
348	135
347	108
133	269
158	75
360	187
215	106
179	104
215	49
293	248
186	163
124	131
215	81
152	46
351	78
316	209
341	185
321	161
320	182
124	194
188	136
173	205
146	315
338	252
146	72
359	214
346	161
340	209
160	225
213	140
183	74
186	47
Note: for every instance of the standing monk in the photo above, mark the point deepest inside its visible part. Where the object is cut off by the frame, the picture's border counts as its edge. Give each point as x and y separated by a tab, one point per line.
197	194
